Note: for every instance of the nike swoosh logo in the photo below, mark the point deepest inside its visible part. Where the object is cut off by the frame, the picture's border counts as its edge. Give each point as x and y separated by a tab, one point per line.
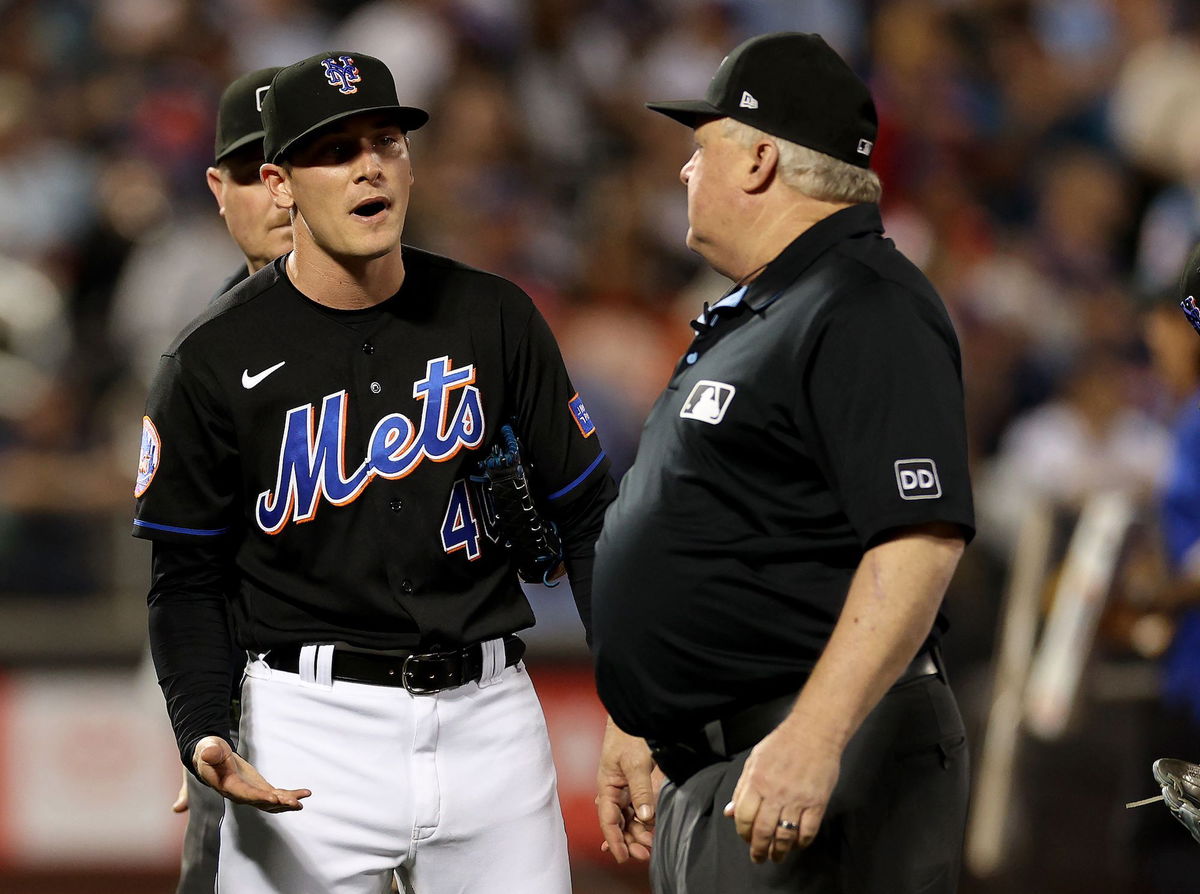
249	381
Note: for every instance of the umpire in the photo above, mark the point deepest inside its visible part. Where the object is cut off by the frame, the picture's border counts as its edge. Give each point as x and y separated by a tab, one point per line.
262	233
768	582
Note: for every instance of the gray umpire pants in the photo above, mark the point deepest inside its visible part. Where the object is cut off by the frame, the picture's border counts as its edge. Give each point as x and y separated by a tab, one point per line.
894	824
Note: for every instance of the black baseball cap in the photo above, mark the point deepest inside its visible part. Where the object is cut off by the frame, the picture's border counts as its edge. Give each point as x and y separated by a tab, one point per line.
306	96
791	85
239	115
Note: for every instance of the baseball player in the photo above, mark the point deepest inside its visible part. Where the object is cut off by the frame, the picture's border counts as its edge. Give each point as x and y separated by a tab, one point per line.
309	447
263	232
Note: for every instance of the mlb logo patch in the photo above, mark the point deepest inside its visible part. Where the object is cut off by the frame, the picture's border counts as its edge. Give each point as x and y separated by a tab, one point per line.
586	427
708	402
148	461
918	479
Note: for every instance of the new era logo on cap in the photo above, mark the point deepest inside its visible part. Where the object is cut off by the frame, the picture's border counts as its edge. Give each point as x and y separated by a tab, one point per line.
918	479
864	147
748	101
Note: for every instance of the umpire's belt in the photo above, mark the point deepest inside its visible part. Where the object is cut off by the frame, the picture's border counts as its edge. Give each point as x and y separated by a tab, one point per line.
686	755
420	674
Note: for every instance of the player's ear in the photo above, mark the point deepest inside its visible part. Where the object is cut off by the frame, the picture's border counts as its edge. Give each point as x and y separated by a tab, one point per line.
278	184
216	185
762	161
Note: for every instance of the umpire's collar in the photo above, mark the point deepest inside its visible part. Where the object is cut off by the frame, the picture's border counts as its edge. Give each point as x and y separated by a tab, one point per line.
786	268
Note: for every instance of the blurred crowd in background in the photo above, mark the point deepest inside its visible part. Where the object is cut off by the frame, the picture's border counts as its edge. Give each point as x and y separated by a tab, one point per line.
1040	162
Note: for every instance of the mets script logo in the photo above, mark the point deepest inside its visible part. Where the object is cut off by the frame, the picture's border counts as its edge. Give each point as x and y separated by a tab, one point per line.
342	73
312	462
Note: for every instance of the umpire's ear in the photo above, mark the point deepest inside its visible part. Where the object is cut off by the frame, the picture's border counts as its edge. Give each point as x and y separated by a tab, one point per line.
278	184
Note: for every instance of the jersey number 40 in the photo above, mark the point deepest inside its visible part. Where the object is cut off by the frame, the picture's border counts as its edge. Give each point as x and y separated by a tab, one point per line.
463	525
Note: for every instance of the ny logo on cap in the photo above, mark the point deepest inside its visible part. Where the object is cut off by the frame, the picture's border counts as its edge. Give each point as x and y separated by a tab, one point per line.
342	73
748	101
258	97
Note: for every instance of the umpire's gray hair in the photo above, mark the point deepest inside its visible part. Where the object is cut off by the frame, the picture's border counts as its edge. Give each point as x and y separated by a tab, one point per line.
817	175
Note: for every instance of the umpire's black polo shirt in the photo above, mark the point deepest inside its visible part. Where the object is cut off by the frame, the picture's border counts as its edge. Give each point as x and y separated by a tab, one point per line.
818	414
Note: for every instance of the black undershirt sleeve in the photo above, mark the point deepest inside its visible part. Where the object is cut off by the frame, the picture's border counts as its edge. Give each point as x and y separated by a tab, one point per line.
579	525
190	640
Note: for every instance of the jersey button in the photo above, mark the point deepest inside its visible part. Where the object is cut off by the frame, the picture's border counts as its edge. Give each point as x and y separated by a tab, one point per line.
395	505
368	348
406	587
376	387
691	358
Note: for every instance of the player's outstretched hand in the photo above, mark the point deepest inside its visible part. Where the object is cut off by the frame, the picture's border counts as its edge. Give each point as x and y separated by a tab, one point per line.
225	770
627	785
788	778
181	799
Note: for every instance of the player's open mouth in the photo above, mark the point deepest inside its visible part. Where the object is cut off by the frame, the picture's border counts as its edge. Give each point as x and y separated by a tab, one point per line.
371	207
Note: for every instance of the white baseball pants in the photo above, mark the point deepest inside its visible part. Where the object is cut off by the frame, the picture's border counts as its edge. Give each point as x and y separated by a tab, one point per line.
455	791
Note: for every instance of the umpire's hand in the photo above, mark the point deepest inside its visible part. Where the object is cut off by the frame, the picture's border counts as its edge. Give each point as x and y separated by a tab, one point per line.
222	768
627	785
785	786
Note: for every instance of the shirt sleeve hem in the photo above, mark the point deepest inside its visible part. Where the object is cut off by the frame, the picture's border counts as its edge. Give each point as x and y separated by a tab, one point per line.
567	488
885	525
175	533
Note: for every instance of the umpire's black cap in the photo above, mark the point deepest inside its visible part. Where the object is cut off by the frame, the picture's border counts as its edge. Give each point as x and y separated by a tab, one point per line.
791	85
239	115
321	89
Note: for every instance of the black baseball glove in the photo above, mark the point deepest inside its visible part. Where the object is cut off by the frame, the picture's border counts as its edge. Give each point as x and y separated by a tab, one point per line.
1180	783
534	540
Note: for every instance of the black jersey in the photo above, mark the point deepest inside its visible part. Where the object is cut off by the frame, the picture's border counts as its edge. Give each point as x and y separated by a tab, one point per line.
821	412
332	454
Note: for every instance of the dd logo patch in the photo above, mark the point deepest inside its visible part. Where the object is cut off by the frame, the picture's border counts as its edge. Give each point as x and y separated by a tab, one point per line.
918	479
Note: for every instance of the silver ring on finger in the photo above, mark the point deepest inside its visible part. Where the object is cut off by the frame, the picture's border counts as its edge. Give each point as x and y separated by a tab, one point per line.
788	825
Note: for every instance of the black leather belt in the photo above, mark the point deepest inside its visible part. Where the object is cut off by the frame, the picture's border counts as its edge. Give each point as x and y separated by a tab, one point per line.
685	756
420	674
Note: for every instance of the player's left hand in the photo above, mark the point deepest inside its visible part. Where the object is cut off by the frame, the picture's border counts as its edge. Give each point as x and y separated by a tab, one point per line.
789	777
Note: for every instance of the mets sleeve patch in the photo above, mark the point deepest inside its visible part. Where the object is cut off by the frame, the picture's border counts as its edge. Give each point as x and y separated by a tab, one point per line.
148	462
586	427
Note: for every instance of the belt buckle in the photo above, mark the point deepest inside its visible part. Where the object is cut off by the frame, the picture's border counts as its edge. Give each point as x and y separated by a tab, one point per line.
406	674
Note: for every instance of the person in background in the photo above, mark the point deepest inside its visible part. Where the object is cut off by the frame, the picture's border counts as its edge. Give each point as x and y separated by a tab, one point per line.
263	232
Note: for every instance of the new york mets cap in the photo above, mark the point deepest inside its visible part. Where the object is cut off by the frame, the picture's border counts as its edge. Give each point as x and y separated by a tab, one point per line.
791	85
239	114
315	92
